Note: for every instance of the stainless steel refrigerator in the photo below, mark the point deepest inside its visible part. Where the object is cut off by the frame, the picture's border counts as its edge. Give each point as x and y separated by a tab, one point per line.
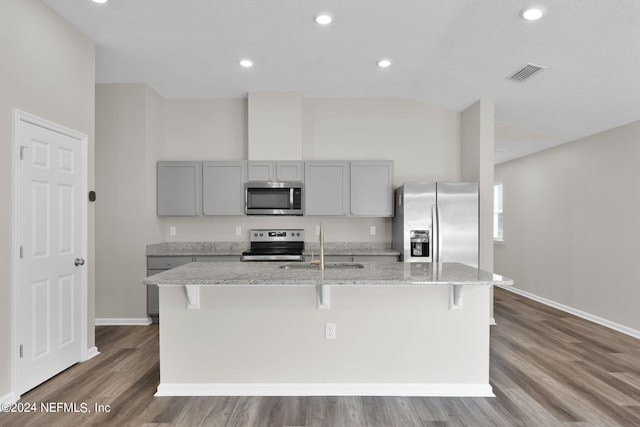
436	222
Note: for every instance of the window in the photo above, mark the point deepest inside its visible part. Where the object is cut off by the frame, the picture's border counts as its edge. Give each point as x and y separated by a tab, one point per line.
498	225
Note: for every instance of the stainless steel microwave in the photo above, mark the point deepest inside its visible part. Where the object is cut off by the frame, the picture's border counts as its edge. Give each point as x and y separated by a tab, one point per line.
273	198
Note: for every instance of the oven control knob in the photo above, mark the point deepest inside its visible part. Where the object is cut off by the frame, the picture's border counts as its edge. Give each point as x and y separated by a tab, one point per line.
261	234
298	234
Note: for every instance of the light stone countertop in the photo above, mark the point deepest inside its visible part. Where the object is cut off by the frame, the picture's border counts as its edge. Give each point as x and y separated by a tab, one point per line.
196	248
378	274
236	248
351	249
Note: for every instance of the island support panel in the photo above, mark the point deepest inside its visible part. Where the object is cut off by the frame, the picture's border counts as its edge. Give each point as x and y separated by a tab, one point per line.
270	340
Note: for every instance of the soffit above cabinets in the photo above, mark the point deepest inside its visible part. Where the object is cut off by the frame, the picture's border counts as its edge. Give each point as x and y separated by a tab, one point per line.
275	126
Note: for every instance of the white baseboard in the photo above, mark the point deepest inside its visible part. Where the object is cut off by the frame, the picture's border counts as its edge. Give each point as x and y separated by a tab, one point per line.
324	389
8	398
120	321
587	316
92	352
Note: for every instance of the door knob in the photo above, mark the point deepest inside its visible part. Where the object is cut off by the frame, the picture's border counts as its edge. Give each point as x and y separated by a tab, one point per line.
79	261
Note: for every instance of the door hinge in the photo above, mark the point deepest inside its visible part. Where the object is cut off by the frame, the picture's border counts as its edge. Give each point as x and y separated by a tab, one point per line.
21	351
21	252
22	147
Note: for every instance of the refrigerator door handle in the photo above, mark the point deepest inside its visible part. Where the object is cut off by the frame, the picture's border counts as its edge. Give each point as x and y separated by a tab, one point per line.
437	237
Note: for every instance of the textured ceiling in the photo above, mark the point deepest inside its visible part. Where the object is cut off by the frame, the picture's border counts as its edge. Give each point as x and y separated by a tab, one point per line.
446	53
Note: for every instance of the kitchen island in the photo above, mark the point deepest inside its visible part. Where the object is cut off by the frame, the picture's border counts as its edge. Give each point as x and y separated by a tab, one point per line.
408	329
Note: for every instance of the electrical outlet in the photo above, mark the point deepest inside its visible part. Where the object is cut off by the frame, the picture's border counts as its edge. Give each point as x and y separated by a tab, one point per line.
330	331
238	230
372	230
172	231
317	230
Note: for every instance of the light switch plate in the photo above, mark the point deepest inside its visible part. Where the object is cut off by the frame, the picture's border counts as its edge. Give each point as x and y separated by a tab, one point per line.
238	230
172	231
372	230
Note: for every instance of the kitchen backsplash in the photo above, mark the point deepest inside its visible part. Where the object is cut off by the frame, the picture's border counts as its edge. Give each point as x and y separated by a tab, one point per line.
223	229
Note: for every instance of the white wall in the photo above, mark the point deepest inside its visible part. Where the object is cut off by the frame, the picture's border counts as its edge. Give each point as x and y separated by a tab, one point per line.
423	140
213	129
274	126
47	69
240	328
571	224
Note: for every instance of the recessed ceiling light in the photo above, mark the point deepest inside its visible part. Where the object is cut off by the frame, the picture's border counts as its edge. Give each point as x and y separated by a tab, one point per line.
100	1
246	63
384	63
533	13
324	19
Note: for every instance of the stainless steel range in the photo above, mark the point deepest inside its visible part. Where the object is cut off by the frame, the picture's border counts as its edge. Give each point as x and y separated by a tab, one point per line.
275	245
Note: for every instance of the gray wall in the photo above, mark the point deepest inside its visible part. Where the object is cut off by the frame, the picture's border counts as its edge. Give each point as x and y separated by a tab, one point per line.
47	69
130	141
478	123
571	222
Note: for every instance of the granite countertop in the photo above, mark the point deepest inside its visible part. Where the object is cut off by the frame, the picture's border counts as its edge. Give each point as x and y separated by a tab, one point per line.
350	248
196	248
236	248
270	273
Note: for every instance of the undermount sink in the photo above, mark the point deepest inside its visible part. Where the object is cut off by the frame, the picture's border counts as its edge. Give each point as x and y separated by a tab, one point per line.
327	266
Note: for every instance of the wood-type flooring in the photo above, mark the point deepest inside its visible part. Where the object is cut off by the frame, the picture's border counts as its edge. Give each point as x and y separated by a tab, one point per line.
548	368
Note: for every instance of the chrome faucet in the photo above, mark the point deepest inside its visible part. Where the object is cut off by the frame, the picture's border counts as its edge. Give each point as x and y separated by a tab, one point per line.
320	261
321	265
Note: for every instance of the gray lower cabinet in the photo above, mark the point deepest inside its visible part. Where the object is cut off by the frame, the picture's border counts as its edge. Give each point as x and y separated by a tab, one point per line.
179	188
217	258
158	264
155	265
376	258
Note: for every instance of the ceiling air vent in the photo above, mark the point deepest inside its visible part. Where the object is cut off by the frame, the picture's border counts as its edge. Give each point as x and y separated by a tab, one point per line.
526	72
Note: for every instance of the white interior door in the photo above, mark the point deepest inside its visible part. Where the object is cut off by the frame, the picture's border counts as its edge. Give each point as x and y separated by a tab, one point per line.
51	177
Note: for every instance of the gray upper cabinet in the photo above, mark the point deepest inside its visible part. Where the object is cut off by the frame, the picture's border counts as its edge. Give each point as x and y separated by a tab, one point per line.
340	188
290	170
223	188
261	171
326	188
372	188
282	170
179	188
